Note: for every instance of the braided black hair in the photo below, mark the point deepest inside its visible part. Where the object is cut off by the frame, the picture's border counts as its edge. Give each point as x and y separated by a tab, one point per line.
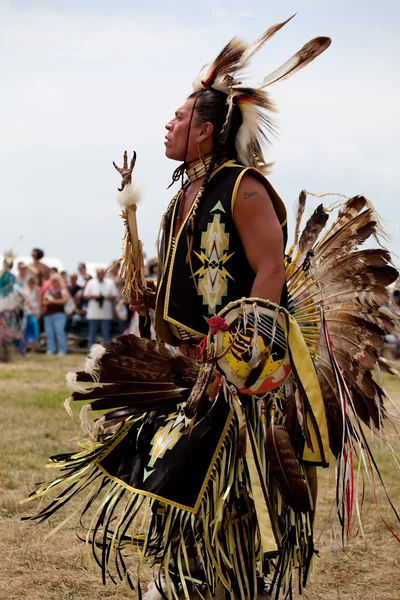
211	106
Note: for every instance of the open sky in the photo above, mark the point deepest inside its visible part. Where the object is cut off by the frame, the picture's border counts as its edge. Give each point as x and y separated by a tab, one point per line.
83	80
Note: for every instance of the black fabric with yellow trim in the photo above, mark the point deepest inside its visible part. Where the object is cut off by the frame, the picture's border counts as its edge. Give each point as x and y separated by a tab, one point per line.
154	456
218	272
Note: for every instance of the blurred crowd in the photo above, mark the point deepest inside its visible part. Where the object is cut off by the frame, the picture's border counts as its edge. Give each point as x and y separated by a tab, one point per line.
43	309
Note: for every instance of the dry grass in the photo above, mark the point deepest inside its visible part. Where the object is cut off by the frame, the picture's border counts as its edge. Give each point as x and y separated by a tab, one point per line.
34	426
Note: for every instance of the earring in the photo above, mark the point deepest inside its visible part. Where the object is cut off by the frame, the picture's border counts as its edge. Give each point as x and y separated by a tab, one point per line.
201	155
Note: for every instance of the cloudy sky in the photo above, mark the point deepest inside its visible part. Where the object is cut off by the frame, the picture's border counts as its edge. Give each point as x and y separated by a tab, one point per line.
81	80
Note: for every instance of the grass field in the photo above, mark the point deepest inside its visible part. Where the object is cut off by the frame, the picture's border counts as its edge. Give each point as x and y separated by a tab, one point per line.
34	426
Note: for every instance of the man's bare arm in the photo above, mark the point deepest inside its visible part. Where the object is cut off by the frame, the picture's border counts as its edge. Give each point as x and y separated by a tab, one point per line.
261	235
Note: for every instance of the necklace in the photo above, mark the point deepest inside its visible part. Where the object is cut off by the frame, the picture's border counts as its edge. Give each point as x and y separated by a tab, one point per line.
198	170
192	174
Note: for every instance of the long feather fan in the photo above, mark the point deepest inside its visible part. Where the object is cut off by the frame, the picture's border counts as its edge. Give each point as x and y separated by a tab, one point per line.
332	269
134	375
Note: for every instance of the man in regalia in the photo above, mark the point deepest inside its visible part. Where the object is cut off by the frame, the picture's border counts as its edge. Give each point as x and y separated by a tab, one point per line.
204	457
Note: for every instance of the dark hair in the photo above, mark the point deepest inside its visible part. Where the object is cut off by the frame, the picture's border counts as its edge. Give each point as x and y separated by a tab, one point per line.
211	107
39	253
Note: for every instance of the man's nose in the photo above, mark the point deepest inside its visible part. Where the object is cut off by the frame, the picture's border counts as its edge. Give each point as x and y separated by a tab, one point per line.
168	126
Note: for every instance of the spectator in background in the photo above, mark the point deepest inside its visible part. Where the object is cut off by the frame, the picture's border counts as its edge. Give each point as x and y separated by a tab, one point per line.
73	286
396	302
37	268
152	267
101	294
83	277
55	319
32	301
23	274
46	286
64	277
146	322
113	273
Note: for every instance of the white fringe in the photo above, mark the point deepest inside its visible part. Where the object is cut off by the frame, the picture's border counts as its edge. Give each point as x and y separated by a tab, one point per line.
85	423
67	406
255	355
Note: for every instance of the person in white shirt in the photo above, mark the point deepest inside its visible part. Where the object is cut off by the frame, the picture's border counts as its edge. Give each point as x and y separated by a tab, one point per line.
101	294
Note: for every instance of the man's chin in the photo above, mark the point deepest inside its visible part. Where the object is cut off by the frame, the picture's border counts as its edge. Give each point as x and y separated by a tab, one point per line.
169	153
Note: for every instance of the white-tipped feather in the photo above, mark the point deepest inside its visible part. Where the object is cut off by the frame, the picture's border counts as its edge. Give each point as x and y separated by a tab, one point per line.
72	384
131	194
92	363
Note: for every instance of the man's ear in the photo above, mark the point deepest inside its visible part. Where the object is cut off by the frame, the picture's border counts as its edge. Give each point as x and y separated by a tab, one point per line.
207	131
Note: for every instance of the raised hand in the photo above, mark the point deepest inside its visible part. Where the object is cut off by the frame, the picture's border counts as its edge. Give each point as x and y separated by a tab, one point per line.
125	171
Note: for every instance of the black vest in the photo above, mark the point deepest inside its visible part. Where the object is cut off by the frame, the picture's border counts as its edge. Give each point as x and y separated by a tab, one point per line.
191	291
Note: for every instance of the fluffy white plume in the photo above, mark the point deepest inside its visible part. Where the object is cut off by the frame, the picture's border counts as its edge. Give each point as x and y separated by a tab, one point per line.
131	194
248	131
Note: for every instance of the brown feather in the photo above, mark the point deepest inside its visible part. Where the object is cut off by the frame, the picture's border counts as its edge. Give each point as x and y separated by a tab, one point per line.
299	215
286	469
333	409
198	394
313	228
346	238
350	209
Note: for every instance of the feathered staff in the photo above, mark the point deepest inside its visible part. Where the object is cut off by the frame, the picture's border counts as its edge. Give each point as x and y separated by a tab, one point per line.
132	263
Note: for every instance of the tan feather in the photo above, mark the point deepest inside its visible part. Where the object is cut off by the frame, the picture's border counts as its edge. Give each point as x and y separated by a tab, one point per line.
298	61
299	215
312	229
259	43
226	63
350	209
349	236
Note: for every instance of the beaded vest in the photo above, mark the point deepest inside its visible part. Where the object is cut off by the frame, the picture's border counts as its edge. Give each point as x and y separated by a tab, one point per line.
195	285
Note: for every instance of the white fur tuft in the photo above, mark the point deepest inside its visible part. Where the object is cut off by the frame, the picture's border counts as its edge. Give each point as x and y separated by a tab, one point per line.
70	380
153	593
97	351
131	194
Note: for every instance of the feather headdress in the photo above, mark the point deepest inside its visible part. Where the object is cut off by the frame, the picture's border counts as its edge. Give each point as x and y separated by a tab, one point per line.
225	73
